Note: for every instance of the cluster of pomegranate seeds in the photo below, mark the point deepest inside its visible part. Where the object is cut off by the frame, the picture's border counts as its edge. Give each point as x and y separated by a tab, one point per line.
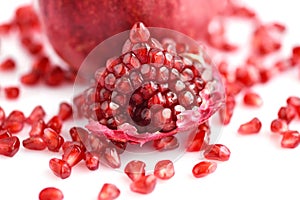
51	193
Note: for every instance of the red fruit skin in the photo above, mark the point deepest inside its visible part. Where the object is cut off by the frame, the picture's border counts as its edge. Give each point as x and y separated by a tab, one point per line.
62	19
51	193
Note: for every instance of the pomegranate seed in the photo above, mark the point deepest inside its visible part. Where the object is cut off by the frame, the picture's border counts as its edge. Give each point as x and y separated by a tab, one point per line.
111	157
217	152
68	144
252	99
144	185
279	126
79	134
108	192
91	161
55	123
27	19
12	92
42	65
14	122
8	64
247	75
296	54
204	168
290	139
164	169
135	169
253	126
120	146
54	77
287	113
34	143
65	111
60	168
5	28
226	112
196	141
4	134
31	78
294	102
166	143
51	193
2	116
9	146
53	140
37	114
73	155
37	128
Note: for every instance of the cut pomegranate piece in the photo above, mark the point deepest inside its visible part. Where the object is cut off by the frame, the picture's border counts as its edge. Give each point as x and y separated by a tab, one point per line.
53	140
287	113
12	92
37	128
9	146
65	111
8	64
164	169
290	139
253	126
108	192
60	168
279	126
166	143
111	157
252	99
73	155
37	114
217	152
144	185
135	169
55	123
91	161
140	94
196	142
51	193
204	168
34	143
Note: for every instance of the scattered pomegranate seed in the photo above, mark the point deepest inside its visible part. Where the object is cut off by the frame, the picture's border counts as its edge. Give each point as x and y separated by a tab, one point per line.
294	102
287	113
247	75
217	152
55	76
279	126
26	19
144	185
5	28
8	64
79	134
51	193
135	169
65	111
252	99
53	140
111	157
91	161
9	146
296	54
4	134
253	126
34	143
164	169
166	143
37	128
60	168
2	116
14	122
204	168
290	139
37	114
12	92
73	155
109	192
31	78
196	142
55	123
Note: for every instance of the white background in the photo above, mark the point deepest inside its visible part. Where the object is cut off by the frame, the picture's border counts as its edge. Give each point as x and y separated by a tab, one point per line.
258	167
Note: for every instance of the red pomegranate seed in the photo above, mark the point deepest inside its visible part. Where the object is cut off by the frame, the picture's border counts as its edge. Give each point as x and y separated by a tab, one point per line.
97	144
27	19
4	134
296	54
144	185
135	169
108	192
247	75
279	126
12	92
252	99
55	76
34	143
8	64
14	122
91	161
60	168
31	78
196	141
290	139
111	157
79	134
287	113
204	168
294	102
5	28
226	112
53	140
9	146
51	193
37	114
68	144
55	123
217	152
65	111
42	65
166	143
2	116
37	128
253	126
73	155
120	146
164	169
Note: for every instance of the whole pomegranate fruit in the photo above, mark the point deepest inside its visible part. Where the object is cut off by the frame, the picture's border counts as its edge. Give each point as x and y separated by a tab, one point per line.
75	27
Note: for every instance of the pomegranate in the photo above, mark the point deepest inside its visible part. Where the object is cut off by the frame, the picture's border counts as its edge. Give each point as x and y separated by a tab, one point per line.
105	18
153	90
